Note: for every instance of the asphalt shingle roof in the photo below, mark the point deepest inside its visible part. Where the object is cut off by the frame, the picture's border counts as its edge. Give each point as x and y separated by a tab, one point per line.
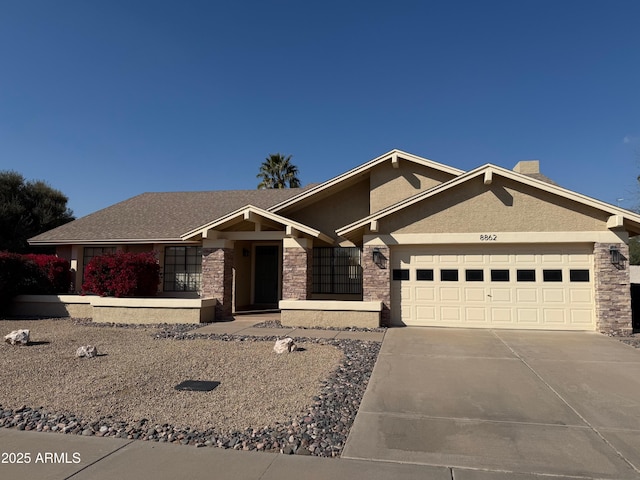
161	216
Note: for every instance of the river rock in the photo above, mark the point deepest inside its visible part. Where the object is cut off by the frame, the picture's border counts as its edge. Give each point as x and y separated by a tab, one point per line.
284	345
88	351
17	337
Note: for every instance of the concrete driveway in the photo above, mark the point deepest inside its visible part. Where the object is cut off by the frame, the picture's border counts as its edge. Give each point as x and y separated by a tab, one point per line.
495	404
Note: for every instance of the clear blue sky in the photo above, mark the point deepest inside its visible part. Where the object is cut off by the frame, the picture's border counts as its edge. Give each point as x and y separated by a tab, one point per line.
108	99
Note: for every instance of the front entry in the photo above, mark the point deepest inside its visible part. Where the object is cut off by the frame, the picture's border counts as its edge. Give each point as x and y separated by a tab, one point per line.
266	276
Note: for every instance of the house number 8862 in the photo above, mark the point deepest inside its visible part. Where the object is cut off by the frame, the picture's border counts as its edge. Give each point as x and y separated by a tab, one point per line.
488	238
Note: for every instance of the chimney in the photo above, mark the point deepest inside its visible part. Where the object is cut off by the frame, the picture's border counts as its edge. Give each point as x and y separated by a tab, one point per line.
527	167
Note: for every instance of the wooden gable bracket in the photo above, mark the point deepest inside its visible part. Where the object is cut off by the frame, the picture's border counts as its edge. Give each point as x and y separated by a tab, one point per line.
615	221
291	232
488	177
211	234
395	161
373	226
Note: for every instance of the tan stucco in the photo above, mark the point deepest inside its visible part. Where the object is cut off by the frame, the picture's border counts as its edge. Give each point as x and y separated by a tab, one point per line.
502	206
329	318
343	207
390	185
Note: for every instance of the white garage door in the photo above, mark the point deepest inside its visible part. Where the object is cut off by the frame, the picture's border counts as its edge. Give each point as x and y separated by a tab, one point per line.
494	286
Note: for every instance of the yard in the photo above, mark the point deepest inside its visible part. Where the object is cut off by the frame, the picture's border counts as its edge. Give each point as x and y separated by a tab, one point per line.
131	384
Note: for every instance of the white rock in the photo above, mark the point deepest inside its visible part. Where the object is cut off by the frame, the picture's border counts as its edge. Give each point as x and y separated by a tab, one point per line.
284	345
88	351
17	336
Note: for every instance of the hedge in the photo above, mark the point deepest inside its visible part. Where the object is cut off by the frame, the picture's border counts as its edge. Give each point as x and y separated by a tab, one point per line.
122	274
31	274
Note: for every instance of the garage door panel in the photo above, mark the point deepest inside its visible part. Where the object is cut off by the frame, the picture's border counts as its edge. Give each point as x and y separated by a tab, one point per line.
527	295
425	313
580	296
499	259
553	315
472	294
555	295
523	299
476	314
501	295
450	294
450	314
581	317
529	316
501	315
425	294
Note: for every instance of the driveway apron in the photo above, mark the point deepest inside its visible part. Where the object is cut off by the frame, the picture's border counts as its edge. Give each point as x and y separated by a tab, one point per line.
507	402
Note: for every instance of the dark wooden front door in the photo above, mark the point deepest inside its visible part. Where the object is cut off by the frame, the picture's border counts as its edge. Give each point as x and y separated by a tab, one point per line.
266	275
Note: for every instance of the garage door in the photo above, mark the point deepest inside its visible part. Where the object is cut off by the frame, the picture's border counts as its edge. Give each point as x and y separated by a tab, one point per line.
494	286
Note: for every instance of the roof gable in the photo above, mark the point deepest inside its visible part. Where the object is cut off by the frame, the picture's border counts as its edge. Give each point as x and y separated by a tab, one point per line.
487	172
357	173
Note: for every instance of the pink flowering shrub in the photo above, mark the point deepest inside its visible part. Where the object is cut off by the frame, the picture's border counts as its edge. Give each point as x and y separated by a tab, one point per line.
55	269
31	274
122	275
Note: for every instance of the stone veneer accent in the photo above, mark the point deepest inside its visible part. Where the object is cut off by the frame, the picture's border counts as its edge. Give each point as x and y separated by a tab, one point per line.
376	281
612	291
297	266
217	279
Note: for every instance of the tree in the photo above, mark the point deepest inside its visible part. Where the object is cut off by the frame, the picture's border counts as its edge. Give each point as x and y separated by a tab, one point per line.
28	208
277	171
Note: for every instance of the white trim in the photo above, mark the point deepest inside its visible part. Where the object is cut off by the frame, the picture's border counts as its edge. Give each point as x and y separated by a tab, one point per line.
524	179
331	305
253	214
605	236
361	170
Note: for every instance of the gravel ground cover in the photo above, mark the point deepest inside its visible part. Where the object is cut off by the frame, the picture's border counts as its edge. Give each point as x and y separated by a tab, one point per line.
278	324
303	402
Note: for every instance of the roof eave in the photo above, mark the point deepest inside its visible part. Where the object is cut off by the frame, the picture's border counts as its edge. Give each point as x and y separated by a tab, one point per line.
360	170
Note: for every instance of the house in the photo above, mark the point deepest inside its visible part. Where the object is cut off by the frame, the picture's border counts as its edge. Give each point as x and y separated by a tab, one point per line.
399	240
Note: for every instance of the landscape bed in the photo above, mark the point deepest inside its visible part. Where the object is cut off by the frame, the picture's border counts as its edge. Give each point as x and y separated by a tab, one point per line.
303	402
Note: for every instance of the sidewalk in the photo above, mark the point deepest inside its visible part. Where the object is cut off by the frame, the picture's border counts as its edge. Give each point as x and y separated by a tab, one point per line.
244	325
109	458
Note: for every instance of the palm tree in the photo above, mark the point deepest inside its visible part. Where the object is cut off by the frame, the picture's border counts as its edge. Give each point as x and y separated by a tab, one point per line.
277	171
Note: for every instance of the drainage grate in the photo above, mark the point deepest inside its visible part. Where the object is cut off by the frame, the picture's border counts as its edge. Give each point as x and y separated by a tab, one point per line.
197	385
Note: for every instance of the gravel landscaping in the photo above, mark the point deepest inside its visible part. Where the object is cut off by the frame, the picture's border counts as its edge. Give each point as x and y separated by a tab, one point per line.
303	402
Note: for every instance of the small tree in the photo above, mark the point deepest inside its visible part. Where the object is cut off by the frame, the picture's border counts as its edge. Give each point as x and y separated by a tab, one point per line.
28	209
277	171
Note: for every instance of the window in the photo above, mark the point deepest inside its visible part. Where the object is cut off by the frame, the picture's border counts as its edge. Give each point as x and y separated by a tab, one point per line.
499	275
579	275
182	269
400	274
449	275
424	275
474	275
337	270
552	275
526	275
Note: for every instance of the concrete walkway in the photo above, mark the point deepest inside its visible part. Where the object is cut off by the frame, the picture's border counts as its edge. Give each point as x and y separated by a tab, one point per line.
520	402
244	325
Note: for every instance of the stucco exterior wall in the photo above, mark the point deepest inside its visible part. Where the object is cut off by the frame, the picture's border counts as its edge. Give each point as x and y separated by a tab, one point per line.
503	206
390	185
337	210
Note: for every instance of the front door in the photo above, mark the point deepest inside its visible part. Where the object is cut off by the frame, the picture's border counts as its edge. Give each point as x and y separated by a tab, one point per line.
266	275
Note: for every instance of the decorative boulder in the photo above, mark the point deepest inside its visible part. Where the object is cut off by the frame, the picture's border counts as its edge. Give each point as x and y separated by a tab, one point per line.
88	351
20	337
284	345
